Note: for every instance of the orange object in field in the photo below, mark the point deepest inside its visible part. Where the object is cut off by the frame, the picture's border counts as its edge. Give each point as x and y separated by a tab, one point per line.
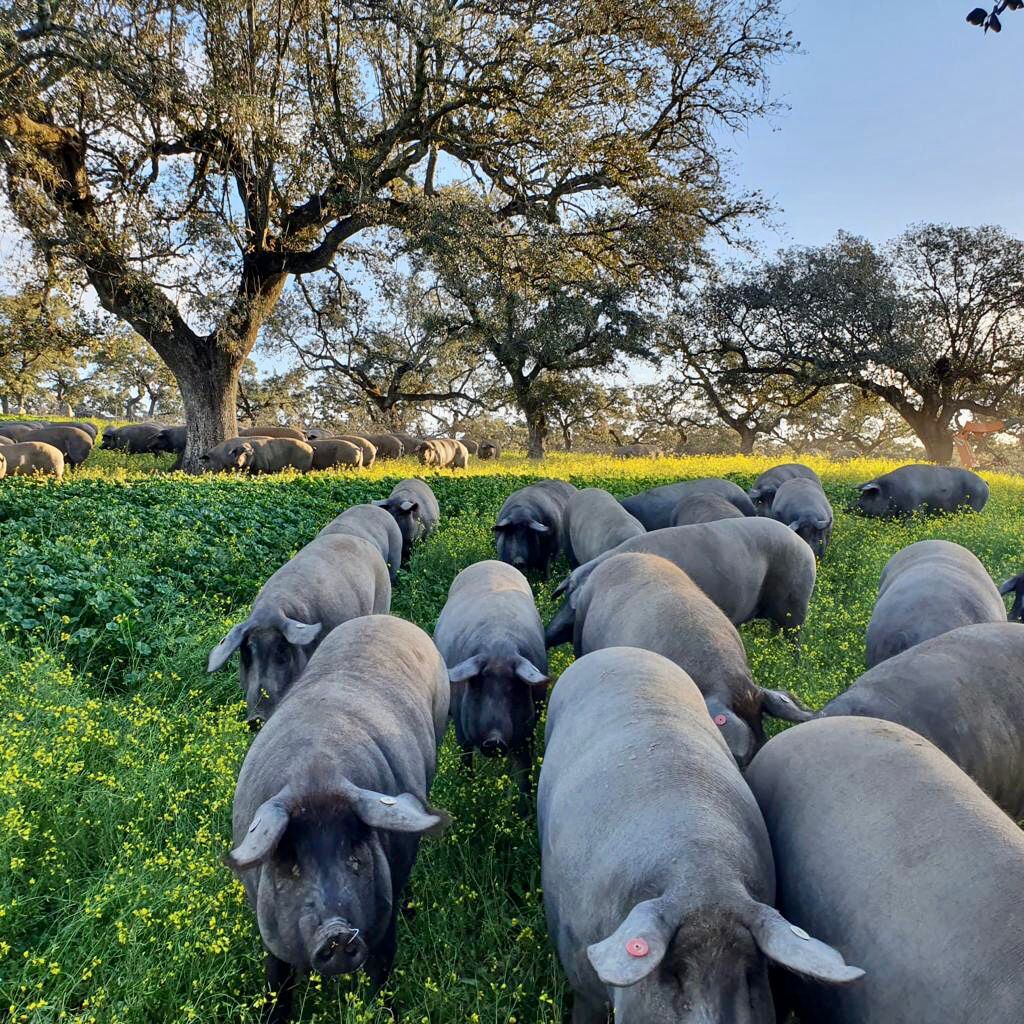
974	428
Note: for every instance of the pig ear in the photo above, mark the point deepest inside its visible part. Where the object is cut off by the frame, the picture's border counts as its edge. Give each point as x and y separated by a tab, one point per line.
409	506
780	704
382	503
227	646
539	527
795	525
265	831
466	669
402	813
562	587
502	524
869	489
736	733
634	949
529	673
792	947
821	524
300	633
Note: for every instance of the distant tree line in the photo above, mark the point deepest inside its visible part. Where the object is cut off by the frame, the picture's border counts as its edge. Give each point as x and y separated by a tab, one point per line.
844	349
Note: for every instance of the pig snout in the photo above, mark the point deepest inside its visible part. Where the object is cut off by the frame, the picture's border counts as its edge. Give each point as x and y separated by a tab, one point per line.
337	948
494	745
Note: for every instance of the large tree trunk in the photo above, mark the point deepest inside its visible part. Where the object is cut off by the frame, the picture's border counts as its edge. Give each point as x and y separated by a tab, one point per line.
937	441
567	438
747	439
536	430
209	392
5	405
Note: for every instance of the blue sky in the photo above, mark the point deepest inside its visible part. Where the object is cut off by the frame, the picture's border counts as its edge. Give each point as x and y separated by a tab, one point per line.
898	113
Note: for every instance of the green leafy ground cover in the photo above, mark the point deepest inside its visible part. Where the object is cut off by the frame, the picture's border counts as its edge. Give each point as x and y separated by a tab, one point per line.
118	753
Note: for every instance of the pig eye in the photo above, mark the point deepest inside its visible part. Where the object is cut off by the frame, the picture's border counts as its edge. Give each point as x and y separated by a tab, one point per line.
354	864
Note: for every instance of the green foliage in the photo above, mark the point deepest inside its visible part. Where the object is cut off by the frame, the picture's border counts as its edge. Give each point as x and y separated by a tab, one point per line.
118	754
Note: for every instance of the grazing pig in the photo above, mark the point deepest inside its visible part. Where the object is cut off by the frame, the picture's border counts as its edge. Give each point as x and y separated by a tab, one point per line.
1015	586
637	451
656	867
331	580
488	450
752	568
368	449
18	431
375	525
886	849
332	800
703	507
595	523
443	453
134	438
963	691
27	458
259	455
471	446
931	489
655	508
492	640
74	444
801	505
169	439
415	509
330	452
926	589
388	446
409	443
531	529
647	602
762	494
87	428
273	431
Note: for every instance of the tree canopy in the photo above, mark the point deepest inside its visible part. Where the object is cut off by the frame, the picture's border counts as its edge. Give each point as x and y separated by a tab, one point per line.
189	160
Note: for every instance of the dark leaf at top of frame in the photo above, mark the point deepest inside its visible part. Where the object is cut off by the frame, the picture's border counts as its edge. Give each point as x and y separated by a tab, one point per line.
977	16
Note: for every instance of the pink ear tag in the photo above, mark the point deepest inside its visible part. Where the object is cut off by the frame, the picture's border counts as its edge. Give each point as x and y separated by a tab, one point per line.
720	720
637	947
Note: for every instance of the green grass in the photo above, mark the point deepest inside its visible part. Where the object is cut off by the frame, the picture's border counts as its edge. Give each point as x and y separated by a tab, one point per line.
118	753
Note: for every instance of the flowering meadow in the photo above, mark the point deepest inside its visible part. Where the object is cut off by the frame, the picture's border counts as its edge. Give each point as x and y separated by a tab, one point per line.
118	753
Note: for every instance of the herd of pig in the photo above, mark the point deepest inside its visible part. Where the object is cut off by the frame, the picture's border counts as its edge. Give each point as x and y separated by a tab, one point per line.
42	447
862	867
273	449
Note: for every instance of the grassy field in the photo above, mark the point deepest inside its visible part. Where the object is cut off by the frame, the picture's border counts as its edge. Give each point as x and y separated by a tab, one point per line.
118	754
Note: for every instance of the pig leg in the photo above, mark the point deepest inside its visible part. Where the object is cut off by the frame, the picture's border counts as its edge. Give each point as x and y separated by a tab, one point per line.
466	760
522	761
281	980
586	1012
378	966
